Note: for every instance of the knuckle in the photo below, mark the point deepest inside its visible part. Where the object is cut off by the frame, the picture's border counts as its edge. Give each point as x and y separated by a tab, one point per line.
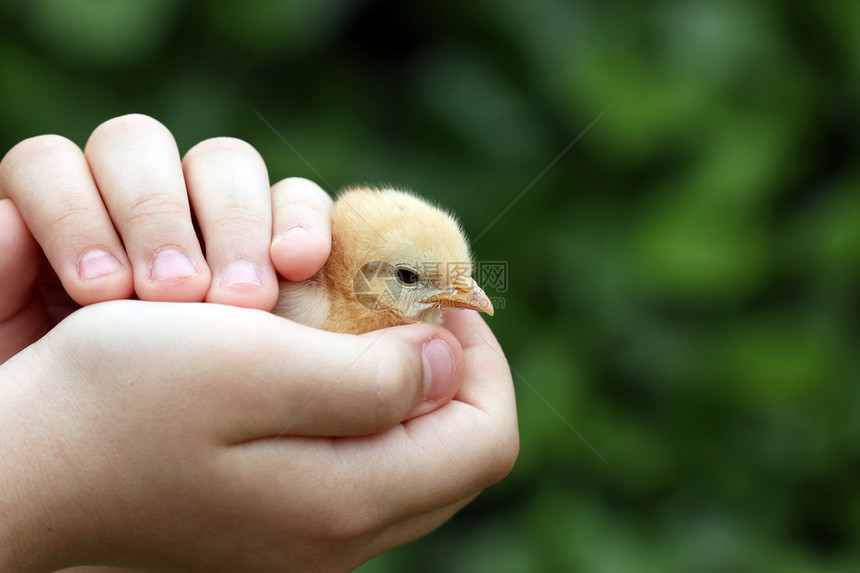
149	207
509	447
502	453
240	219
67	215
33	149
297	211
301	190
221	145
124	125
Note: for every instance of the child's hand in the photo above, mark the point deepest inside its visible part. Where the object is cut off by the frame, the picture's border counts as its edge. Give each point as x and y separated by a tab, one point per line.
161	436
118	220
177	437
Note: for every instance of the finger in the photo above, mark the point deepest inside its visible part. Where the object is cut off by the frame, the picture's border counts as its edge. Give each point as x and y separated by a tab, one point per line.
22	316
475	433
492	392
50	182
229	190
353	481
301	230
137	169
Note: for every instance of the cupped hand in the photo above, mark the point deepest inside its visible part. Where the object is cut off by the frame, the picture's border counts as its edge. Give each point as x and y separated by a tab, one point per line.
120	219
179	437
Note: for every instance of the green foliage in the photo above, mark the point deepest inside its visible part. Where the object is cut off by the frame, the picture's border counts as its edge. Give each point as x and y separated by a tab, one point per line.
683	281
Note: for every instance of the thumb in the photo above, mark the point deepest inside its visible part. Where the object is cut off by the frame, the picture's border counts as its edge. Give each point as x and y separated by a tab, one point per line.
253	375
303	381
22	315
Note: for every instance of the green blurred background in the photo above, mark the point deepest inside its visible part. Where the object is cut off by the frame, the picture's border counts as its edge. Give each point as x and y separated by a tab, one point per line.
683	282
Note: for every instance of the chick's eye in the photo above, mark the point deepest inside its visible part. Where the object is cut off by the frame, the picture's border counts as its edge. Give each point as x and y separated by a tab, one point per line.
406	276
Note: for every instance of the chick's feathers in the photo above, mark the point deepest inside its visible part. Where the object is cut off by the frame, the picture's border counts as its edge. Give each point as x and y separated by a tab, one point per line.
395	259
396	227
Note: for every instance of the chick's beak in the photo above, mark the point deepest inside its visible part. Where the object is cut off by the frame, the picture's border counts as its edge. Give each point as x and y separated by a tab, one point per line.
465	294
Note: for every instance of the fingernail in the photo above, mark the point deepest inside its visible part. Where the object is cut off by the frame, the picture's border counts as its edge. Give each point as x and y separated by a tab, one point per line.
97	263
240	272
171	264
438	369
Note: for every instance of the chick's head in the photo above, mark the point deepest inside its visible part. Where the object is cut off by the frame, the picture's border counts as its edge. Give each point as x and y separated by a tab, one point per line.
407	258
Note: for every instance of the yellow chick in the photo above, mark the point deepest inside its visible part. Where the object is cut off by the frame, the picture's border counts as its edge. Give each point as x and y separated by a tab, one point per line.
395	259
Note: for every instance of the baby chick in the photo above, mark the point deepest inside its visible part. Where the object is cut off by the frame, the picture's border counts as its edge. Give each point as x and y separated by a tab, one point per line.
395	259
